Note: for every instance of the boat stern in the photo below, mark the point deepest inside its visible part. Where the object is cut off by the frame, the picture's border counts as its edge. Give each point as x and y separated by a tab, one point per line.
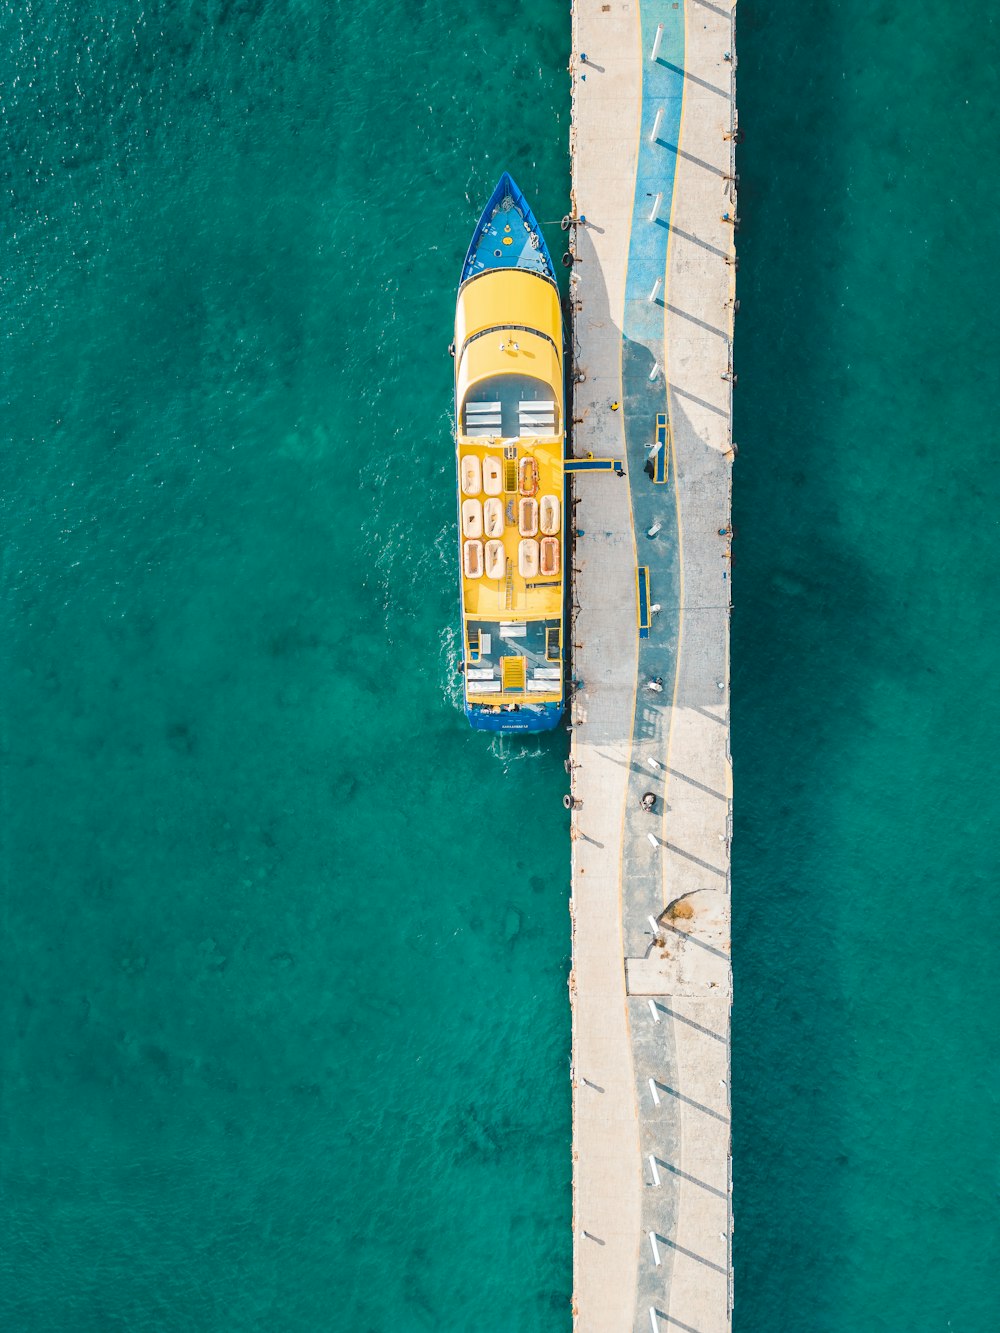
523	718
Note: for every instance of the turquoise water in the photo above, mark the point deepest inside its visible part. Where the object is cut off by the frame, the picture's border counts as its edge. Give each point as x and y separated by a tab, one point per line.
864	663
285	1036
286	1025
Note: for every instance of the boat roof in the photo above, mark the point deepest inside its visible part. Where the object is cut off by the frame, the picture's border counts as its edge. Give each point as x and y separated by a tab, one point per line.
508	236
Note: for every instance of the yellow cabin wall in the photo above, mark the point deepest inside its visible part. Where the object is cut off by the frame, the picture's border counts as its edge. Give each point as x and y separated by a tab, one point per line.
485	358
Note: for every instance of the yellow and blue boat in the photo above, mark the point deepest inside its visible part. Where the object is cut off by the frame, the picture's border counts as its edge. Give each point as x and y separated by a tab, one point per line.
509	430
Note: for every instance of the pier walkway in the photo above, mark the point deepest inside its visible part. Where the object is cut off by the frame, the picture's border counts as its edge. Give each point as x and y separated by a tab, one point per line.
652	293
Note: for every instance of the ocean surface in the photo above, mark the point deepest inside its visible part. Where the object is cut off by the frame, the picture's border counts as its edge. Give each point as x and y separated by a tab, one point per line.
285	1031
865	703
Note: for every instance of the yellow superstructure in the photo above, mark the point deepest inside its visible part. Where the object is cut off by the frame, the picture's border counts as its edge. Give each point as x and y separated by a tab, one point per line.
510	423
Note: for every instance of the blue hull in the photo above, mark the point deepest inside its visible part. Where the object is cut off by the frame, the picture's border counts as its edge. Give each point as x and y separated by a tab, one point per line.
527	720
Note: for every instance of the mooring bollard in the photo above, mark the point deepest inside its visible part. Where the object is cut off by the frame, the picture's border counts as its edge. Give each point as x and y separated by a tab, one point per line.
656	41
656	124
656	206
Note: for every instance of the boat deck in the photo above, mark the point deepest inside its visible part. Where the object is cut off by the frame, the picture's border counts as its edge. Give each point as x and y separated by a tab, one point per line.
515	596
506	240
539	642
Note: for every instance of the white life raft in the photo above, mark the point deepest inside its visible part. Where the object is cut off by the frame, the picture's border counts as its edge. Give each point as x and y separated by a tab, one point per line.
493	517
472	518
550	556
549	521
492	475
495	561
472	475
527	558
527	473
527	517
472	560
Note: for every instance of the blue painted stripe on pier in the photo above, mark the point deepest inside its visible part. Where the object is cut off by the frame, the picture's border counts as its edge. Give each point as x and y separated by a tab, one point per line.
646	412
662	91
645	408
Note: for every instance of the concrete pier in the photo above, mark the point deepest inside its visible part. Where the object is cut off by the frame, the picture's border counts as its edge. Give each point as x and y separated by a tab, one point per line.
653	289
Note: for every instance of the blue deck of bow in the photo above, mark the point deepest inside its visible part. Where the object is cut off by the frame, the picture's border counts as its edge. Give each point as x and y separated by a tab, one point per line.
508	236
